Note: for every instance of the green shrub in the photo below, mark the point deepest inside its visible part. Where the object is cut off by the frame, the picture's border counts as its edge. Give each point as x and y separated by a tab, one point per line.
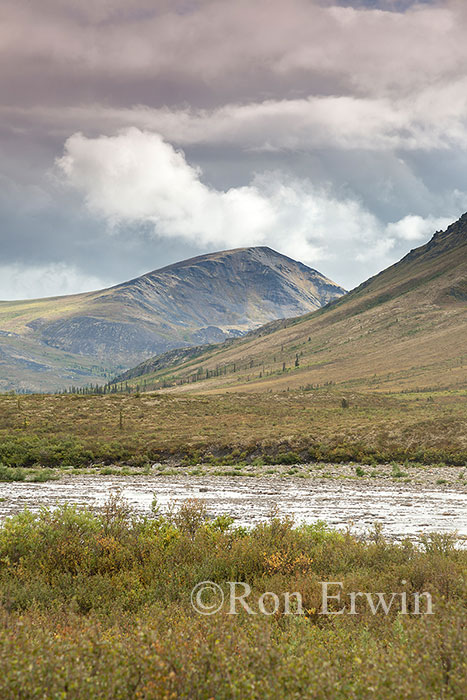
97	604
287	458
11	474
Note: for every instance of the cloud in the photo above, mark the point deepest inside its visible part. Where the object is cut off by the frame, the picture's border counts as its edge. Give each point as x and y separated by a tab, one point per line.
137	177
415	228
333	130
213	50
433	119
18	281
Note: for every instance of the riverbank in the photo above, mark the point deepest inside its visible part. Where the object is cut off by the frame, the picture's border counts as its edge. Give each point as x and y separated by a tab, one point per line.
419	475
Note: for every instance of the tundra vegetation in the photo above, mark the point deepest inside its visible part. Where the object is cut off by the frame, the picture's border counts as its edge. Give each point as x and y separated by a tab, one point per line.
38	431
97	605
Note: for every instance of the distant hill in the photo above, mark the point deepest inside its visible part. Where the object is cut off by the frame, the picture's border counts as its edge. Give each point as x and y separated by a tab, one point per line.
405	328
48	344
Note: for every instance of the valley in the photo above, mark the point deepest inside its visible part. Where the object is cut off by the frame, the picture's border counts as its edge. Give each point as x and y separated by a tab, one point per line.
233	350
329	446
404	329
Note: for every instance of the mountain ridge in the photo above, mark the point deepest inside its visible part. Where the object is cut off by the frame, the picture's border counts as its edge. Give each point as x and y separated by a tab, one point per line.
51	343
403	326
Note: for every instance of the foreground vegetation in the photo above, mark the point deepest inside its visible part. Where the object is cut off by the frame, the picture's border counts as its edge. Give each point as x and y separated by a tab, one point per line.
98	606
285	427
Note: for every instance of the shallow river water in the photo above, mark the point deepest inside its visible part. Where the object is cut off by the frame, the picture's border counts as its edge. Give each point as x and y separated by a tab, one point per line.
402	509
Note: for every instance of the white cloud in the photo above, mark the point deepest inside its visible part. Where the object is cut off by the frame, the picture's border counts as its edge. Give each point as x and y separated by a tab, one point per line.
374	102
19	281
415	228
137	177
433	118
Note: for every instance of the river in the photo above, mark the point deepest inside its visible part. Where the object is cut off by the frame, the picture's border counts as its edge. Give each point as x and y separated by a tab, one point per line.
403	509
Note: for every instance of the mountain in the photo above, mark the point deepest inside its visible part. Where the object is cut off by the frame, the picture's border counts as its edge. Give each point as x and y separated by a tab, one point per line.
405	328
48	344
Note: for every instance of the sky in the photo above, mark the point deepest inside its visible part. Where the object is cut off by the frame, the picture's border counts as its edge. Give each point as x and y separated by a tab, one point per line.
135	133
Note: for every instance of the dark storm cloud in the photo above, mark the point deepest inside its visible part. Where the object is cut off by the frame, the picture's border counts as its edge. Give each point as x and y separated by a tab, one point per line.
294	107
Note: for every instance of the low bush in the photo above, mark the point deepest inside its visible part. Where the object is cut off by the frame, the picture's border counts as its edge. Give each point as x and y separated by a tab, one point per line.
97	605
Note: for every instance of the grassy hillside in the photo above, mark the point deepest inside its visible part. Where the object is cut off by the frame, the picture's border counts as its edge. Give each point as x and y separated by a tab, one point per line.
406	328
49	344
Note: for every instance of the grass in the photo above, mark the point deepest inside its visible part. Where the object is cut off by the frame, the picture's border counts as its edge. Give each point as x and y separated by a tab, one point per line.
282	428
98	605
39	475
397	472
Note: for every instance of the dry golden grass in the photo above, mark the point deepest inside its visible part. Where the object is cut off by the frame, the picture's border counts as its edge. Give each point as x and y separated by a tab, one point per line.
136	429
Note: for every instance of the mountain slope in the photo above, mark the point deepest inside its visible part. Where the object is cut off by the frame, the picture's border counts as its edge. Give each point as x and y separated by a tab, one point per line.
47	344
404	328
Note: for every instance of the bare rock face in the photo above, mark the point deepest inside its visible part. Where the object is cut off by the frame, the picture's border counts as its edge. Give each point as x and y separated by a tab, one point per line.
203	300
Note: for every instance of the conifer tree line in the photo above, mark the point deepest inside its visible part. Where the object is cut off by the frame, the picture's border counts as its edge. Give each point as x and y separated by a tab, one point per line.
201	374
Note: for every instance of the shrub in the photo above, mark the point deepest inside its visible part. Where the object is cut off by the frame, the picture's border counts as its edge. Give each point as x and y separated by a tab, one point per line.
98	605
287	458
